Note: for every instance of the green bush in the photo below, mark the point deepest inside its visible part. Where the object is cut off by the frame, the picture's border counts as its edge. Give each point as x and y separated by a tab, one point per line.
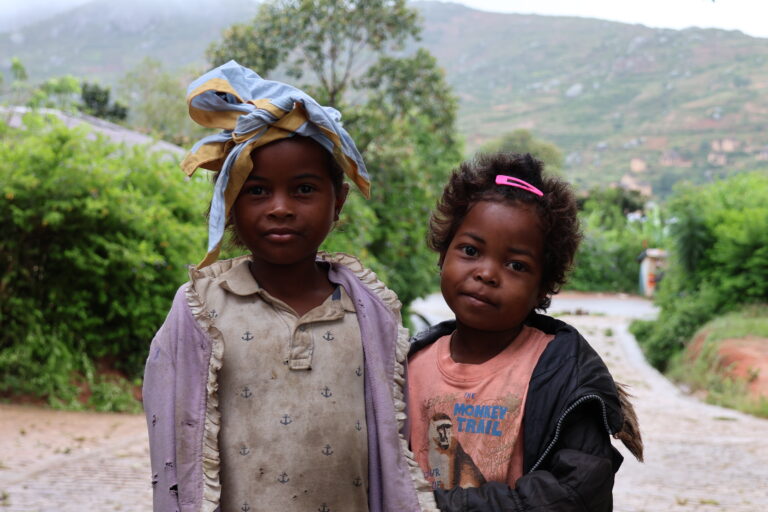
719	260
667	335
95	239
607	257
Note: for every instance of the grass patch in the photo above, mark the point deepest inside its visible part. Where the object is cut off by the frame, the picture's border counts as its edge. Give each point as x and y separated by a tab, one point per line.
707	373
749	321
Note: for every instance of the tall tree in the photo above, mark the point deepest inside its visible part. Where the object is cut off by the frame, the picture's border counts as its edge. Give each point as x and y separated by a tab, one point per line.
17	90
523	141
156	103
396	105
329	38
95	101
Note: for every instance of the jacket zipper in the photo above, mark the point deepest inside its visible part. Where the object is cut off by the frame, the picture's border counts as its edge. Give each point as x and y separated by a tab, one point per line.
559	425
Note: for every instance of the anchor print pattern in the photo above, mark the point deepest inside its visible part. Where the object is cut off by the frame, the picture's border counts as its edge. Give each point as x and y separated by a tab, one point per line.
249	387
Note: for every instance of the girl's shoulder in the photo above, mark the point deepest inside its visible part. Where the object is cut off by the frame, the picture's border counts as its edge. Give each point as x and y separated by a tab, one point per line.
344	262
203	276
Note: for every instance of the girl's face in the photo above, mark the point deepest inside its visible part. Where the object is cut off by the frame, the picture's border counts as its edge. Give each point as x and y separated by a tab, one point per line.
288	204
492	270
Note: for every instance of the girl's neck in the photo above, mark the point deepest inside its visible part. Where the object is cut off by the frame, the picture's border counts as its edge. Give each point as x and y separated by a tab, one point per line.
475	346
302	286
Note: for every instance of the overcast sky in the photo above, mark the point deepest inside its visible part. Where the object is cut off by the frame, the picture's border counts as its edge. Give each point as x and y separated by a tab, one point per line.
749	16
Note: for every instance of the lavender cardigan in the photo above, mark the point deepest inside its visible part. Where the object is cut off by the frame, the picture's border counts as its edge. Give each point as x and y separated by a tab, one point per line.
181	402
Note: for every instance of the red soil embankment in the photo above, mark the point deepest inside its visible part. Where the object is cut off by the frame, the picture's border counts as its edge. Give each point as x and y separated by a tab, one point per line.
742	358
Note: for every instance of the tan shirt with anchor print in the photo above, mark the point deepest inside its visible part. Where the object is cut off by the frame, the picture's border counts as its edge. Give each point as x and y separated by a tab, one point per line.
293	432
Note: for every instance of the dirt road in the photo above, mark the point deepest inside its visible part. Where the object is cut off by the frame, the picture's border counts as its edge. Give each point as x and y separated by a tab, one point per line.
698	457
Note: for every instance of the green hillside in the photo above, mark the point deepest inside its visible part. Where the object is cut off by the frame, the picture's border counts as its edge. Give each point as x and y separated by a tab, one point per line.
626	103
615	97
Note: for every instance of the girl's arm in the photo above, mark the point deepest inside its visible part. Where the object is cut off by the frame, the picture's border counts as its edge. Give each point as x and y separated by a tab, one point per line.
578	477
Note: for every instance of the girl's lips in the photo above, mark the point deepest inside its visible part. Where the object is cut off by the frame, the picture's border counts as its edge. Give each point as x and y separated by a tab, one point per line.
281	235
478	299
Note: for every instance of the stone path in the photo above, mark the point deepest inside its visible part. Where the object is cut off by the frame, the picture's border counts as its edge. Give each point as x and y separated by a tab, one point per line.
69	461
698	457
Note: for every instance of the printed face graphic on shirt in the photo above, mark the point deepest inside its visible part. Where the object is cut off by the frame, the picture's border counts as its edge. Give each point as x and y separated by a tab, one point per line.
450	465
440	431
469	439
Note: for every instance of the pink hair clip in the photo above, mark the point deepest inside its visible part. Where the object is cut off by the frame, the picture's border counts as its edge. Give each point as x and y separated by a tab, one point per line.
510	181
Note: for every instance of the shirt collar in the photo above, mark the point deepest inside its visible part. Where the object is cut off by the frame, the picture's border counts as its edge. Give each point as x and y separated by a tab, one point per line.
239	281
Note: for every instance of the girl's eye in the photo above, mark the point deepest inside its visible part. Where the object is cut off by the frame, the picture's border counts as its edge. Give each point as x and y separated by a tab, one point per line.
516	266
469	250
255	190
305	189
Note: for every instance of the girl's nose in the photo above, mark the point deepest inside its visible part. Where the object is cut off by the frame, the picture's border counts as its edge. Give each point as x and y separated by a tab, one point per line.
487	275
280	207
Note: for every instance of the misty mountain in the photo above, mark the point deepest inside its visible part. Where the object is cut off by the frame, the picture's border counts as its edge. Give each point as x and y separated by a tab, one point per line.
627	104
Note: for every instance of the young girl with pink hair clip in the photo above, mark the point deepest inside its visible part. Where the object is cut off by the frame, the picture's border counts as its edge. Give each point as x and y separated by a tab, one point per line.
511	409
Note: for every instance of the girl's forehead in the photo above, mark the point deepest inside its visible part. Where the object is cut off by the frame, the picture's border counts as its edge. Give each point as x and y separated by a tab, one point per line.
498	209
502	218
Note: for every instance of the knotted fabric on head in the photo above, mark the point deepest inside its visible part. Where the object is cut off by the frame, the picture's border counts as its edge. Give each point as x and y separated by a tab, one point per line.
253	112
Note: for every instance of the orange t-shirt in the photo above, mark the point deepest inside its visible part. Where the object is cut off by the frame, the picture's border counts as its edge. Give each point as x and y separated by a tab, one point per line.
466	419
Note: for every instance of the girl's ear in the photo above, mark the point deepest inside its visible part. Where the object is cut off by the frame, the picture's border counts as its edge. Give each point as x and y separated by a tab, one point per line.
341	198
541	296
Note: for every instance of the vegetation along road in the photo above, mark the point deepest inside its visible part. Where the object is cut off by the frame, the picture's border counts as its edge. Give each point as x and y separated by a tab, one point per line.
698	457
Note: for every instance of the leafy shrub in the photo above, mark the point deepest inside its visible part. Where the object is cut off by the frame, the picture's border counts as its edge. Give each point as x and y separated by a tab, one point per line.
719	260
607	258
667	335
94	240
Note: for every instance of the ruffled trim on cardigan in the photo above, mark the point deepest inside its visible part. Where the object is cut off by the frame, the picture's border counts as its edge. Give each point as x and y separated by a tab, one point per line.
371	281
211	455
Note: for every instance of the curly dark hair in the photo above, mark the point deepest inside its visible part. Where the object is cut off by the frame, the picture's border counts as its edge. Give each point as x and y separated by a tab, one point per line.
475	181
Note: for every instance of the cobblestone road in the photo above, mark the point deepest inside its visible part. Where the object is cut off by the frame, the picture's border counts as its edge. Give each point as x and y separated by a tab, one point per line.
698	457
67	462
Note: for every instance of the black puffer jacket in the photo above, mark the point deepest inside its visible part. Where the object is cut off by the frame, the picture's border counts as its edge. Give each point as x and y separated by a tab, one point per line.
572	408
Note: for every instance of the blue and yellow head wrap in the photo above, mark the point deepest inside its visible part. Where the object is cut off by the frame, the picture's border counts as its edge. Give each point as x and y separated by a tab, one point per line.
253	112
